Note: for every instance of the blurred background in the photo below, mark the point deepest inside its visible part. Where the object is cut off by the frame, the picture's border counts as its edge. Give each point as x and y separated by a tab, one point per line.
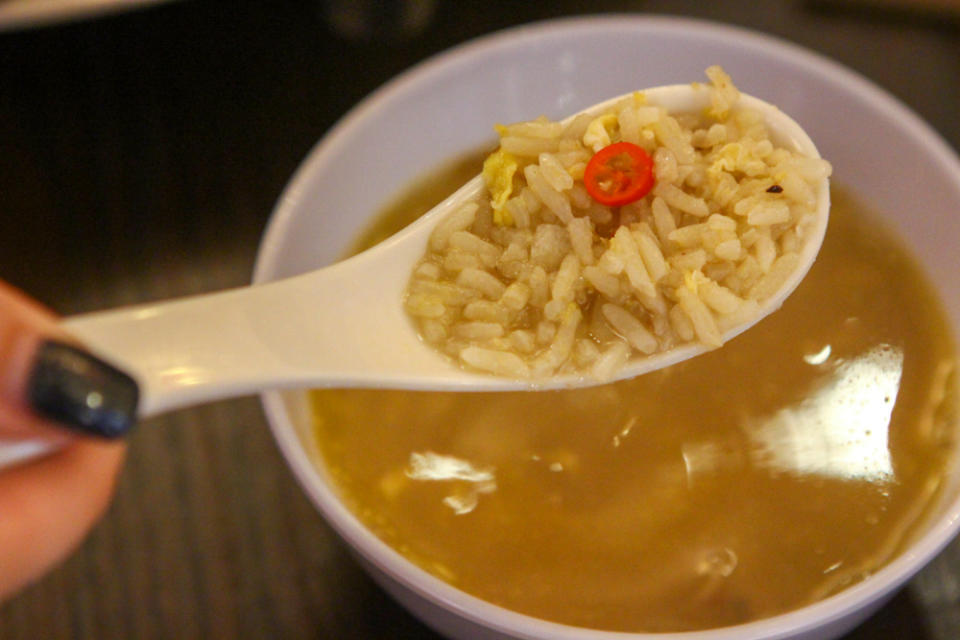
142	148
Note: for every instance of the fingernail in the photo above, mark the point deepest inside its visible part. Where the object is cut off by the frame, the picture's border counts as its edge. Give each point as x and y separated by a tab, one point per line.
82	392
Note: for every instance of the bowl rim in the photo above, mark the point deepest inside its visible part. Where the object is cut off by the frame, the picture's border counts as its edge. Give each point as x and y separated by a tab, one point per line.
798	621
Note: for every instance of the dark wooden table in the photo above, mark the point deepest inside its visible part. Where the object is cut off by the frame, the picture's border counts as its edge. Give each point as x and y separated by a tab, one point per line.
140	157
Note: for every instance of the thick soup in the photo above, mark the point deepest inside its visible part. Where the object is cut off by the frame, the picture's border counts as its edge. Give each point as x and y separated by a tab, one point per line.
773	472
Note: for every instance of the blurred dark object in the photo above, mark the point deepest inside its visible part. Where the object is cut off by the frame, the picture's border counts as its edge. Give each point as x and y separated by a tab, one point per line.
933	13
945	6
378	20
21	14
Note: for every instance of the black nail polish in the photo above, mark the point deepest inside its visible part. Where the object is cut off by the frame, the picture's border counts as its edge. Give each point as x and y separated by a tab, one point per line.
82	392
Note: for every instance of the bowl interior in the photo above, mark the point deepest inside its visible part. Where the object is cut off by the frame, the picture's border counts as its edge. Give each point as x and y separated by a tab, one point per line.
449	104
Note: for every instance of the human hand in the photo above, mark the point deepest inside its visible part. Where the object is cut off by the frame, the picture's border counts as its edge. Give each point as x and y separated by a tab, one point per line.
51	390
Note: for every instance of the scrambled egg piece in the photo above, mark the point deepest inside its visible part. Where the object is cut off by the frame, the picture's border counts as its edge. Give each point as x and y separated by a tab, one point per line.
730	157
498	171
599	132
725	96
739	156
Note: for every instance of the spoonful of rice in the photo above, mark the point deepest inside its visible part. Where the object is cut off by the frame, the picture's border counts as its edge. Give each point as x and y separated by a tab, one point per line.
640	232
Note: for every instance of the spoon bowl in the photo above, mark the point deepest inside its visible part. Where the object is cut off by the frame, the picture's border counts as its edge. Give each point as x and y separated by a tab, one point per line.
345	325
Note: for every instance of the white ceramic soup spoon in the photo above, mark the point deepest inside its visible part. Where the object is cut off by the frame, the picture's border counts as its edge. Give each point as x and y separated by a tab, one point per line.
345	325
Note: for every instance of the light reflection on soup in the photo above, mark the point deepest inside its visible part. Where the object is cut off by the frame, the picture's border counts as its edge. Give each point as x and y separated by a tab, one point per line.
752	480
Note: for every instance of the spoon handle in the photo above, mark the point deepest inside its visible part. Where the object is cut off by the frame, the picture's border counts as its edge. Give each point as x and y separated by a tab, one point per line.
302	330
180	352
299	331
343	325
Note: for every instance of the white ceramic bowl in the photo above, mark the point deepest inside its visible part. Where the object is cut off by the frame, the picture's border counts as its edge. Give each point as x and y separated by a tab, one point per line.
448	104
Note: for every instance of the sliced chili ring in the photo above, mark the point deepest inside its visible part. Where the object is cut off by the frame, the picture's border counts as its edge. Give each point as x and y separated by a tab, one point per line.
619	174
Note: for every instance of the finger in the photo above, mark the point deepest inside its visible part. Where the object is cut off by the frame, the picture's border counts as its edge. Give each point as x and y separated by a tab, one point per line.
48	383
48	506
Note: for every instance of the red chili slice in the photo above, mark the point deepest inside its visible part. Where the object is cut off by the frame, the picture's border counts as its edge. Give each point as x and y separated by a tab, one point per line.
619	174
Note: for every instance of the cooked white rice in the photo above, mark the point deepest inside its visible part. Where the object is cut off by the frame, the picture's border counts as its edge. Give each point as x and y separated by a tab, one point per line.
539	279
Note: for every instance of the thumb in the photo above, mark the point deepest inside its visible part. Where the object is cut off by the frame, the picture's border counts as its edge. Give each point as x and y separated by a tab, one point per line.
50	386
